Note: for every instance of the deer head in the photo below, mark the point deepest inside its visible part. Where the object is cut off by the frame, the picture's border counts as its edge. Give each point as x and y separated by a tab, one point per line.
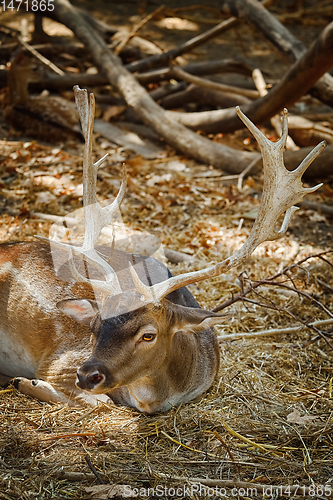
135	324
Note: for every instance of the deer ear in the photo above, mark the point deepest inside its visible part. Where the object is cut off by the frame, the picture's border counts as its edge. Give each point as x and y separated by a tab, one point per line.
81	310
193	319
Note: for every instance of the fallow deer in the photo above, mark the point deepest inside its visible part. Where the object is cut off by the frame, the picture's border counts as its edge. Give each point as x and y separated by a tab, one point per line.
152	346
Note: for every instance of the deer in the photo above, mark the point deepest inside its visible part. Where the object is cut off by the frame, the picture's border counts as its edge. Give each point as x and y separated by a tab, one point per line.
119	328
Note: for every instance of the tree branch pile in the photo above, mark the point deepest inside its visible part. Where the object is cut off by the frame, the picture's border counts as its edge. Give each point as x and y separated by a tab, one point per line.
307	74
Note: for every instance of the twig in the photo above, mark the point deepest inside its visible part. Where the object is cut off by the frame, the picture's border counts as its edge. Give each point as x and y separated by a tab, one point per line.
245	171
274	331
69	435
39	56
325	209
73	476
243	293
275	120
296	82
221	87
93	470
300	292
254	13
136	28
166	57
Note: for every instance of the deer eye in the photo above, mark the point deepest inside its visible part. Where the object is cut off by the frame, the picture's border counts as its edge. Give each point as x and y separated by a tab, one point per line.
148	337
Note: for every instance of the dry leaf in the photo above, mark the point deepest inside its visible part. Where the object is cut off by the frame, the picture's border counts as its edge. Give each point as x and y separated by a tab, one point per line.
296	418
105	491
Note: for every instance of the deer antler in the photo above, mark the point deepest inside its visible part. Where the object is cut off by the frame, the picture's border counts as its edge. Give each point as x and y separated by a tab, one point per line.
282	189
95	216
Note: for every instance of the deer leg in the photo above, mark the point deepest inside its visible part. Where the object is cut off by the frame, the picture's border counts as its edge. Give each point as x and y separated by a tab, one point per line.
41	390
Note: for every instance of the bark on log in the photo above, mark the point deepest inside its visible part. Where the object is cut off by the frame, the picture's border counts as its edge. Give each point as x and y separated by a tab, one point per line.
296	82
196	94
254	12
181	74
54	82
199	68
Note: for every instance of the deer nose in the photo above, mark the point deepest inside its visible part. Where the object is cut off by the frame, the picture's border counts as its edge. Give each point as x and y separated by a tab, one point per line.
88	380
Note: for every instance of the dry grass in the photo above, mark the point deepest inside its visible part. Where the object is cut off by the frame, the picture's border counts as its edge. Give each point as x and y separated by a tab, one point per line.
242	429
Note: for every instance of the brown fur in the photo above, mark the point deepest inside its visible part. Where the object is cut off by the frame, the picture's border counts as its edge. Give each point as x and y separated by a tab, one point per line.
44	343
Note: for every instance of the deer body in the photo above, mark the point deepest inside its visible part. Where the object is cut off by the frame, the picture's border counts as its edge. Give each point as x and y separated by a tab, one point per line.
38	341
143	341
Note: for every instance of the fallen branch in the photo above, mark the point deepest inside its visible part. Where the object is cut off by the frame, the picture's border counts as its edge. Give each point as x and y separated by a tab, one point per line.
135	95
253	286
180	74
296	82
68	80
135	29
312	205
197	68
275	120
254	12
274	331
202	95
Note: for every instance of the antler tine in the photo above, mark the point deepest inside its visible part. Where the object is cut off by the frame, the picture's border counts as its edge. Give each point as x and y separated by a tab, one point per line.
98	285
308	160
95	216
282	190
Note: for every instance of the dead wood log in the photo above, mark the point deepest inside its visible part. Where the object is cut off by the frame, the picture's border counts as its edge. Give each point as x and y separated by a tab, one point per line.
307	133
199	68
312	205
167	89
165	58
181	74
175	134
54	82
253	12
296	82
193	93
136	97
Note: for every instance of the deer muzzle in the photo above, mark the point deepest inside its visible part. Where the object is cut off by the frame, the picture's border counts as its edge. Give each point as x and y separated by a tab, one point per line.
91	377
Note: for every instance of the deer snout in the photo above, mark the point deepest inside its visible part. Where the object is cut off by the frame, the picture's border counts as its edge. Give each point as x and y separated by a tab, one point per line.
90	378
